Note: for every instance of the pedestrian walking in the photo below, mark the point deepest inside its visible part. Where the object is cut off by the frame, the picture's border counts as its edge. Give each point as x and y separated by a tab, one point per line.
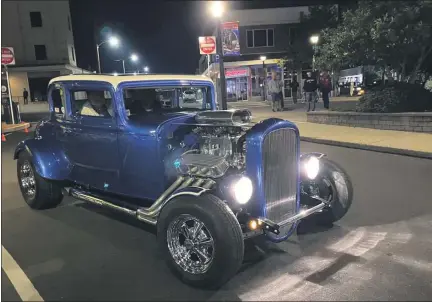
274	87
294	87
325	85
25	96
310	87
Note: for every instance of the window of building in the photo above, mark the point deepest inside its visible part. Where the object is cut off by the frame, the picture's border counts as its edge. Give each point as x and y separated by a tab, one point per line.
35	19
69	23
73	53
260	38
40	52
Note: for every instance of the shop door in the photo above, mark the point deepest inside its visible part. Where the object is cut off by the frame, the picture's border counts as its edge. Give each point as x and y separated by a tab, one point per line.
241	89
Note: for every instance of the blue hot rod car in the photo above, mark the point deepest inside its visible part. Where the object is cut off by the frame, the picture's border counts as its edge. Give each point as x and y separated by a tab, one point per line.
207	179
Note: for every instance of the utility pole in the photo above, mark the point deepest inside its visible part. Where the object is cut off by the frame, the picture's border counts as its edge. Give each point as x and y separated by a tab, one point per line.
219	51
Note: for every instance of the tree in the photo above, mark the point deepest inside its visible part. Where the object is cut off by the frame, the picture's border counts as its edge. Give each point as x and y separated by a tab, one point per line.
394	35
300	51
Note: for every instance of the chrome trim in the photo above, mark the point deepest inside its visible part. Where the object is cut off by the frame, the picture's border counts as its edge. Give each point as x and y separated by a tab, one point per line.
149	215
304	213
192	247
316	154
80	195
202	190
280	174
157	206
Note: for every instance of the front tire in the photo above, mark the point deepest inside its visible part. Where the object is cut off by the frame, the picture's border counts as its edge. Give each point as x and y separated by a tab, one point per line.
341	191
201	240
39	193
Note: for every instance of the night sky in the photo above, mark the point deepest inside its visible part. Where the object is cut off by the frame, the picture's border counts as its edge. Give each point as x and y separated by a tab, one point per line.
163	33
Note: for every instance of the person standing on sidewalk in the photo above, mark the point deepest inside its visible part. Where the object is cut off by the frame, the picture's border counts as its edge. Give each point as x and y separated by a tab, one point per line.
274	86
294	86
25	96
325	87
310	87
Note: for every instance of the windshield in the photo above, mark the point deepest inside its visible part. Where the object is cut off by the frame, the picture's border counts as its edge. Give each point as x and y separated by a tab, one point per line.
139	100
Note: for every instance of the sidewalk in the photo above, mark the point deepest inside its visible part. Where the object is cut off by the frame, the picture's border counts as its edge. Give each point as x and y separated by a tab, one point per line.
395	142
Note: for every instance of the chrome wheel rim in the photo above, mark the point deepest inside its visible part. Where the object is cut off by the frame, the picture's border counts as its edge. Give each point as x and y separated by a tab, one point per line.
191	244
27	179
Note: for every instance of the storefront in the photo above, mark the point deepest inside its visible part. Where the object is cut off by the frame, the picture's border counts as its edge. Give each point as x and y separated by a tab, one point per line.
246	80
237	84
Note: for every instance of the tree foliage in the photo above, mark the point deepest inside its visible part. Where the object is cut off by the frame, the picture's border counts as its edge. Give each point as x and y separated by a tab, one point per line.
300	51
394	35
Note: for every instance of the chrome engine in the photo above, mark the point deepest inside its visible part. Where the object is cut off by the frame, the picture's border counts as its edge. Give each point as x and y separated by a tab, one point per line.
220	145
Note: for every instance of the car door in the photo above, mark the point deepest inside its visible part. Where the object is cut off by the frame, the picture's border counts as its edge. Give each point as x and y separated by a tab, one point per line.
90	142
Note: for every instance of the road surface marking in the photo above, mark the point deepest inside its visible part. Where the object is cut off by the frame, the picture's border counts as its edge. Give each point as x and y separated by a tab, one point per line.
301	283
18	278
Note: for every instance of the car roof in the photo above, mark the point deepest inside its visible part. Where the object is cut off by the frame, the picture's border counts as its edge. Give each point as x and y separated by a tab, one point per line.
116	80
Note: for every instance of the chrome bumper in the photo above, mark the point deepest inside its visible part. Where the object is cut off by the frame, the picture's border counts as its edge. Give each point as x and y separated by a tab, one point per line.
274	227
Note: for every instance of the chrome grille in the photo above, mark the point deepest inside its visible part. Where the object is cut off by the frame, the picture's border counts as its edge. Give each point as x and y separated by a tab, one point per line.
280	174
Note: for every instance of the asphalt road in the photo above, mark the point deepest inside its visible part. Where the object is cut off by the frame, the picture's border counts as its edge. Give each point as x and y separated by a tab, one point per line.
381	250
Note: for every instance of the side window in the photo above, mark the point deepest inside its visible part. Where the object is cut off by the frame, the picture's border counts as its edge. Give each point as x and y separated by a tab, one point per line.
58	99
92	102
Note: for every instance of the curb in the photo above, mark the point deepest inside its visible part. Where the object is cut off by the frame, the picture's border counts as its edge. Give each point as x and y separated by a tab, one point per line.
389	150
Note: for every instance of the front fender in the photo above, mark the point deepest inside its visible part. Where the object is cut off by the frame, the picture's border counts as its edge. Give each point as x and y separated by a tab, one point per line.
192	191
48	162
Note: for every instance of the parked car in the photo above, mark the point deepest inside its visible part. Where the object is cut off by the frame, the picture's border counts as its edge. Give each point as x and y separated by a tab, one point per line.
214	178
189	96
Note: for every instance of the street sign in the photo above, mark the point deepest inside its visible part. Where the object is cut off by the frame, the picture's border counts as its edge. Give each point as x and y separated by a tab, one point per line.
7	56
207	45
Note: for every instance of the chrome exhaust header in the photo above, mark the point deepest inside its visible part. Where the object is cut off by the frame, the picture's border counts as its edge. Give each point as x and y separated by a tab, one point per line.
147	215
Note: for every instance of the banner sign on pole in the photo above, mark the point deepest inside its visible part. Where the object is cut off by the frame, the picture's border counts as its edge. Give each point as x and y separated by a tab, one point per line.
207	45
230	39
7	56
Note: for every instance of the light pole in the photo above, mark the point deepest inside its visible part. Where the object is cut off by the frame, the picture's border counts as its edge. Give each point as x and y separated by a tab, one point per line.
146	69
314	41
123	64
217	12
133	58
263	58
113	41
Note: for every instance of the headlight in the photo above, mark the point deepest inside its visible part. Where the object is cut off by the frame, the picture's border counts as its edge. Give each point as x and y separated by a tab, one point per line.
312	167
243	189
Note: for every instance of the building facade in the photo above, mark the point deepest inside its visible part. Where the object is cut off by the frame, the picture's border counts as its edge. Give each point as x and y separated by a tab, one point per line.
262	32
41	35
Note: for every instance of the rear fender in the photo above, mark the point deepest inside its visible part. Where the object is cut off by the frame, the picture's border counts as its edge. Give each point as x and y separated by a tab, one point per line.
49	162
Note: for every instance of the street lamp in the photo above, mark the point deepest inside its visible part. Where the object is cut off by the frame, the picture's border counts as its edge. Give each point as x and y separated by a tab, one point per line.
112	41
217	10
134	57
314	41
146	69
263	58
